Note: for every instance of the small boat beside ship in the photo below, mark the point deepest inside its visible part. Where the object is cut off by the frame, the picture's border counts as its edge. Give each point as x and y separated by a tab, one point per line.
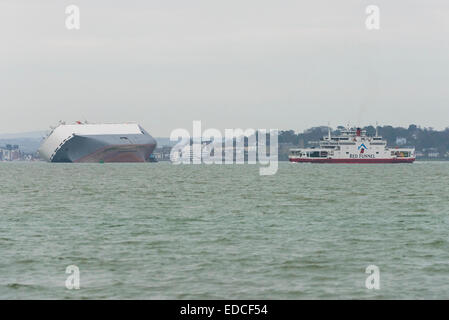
352	146
86	142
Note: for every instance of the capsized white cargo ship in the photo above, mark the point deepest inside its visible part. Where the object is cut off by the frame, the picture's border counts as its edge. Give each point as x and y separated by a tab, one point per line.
86	142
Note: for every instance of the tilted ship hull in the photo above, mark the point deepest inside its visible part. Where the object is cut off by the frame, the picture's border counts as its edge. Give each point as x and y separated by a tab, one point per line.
98	143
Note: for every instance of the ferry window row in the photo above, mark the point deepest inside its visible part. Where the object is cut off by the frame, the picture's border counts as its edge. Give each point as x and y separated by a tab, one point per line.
311	154
401	154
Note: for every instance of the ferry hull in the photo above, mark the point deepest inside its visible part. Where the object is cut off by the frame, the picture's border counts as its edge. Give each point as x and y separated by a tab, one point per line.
392	160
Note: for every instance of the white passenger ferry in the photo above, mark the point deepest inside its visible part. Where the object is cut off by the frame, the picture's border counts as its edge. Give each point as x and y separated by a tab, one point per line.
352	146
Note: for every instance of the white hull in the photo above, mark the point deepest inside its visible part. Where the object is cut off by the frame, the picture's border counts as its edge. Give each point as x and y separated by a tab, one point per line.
97	143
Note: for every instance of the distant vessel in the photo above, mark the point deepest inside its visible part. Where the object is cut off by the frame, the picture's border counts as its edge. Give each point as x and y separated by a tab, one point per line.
83	142
352	146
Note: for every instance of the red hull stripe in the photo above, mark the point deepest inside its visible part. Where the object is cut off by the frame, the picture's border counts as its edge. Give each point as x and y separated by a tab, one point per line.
395	160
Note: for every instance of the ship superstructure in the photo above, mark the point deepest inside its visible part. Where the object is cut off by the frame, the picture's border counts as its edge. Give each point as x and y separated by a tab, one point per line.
352	146
85	142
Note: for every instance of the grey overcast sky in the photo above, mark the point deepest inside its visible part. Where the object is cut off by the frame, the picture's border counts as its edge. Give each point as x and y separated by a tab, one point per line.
287	64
